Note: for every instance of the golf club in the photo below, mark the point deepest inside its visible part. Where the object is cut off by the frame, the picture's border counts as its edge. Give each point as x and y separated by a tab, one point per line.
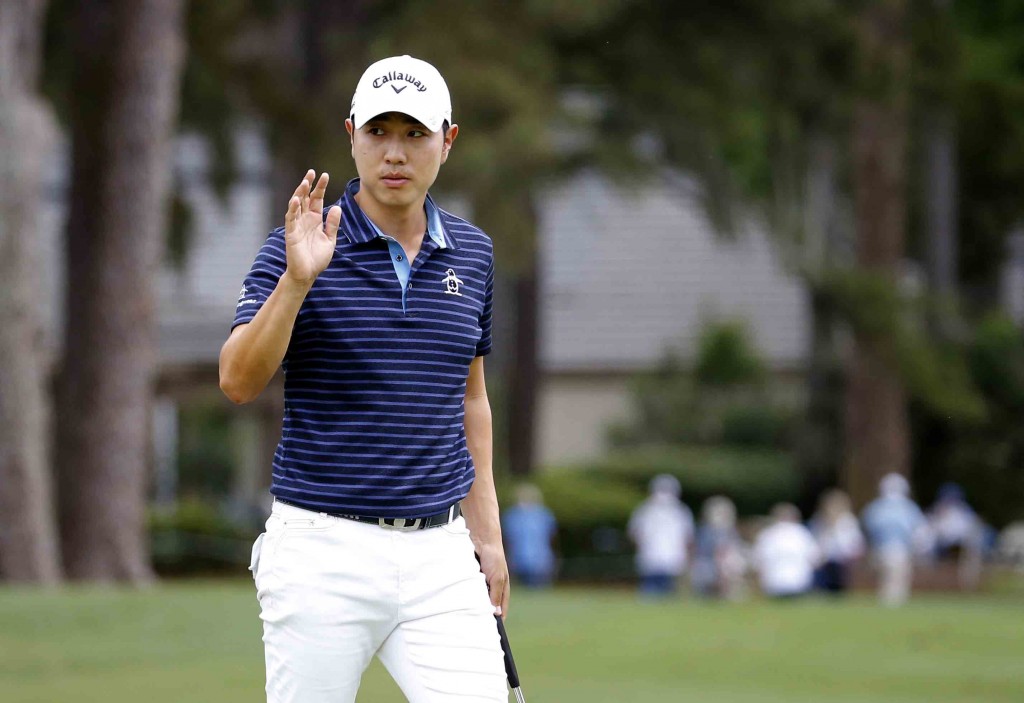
510	663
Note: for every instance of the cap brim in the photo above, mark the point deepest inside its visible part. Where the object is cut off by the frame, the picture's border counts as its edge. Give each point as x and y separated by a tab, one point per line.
368	112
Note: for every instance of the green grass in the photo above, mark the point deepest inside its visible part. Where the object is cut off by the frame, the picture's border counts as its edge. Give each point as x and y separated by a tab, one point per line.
201	642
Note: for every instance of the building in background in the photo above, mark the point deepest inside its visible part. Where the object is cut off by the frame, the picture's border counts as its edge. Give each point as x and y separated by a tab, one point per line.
628	275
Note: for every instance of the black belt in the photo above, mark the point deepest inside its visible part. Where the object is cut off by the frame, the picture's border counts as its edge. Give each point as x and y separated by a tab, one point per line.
396	523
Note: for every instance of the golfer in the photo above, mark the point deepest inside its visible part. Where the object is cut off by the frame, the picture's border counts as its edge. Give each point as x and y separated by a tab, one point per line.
379	312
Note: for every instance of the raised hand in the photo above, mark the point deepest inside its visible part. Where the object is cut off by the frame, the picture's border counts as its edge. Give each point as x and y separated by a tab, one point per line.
309	244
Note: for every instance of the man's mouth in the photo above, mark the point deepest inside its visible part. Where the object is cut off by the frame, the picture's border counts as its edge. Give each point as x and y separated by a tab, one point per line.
394	180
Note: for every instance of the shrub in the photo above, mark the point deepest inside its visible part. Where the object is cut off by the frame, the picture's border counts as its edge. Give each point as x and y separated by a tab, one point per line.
195	536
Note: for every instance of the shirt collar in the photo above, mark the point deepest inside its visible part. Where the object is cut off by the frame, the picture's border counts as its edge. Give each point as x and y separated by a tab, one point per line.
361	229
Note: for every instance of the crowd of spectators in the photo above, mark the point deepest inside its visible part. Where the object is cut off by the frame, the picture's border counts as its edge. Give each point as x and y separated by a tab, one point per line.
784	555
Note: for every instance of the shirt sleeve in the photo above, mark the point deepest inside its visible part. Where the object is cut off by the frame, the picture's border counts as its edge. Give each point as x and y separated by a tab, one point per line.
483	347
262	278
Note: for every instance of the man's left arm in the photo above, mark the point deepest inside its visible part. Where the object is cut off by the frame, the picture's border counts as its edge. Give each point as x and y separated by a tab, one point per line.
480	507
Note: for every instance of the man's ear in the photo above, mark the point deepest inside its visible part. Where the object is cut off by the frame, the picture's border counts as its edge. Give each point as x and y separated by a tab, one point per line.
449	139
351	129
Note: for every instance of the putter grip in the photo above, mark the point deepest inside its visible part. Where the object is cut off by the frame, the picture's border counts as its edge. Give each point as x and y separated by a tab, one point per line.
510	663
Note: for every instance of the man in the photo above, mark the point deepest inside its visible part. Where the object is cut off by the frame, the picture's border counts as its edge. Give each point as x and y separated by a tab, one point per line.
662	529
786	554
895	527
380	314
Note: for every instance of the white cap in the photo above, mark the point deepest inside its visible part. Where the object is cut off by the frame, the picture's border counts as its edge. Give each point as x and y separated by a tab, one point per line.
402	84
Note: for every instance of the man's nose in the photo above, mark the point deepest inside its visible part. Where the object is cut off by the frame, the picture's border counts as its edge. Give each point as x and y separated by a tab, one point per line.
395	153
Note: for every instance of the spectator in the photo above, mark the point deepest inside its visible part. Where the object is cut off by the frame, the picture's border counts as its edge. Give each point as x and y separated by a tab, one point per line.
786	554
529	529
958	533
839	538
662	529
718	562
895	525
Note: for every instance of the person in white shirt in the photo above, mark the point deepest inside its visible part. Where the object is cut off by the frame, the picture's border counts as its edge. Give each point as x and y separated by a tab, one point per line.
662	529
786	554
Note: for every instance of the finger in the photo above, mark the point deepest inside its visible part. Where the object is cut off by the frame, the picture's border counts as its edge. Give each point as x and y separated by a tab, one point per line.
333	220
291	214
303	188
505	597
496	590
316	197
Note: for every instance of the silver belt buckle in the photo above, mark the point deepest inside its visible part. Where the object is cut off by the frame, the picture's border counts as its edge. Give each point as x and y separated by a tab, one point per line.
400	523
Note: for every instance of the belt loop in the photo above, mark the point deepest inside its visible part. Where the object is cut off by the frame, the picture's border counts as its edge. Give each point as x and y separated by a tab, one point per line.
451	514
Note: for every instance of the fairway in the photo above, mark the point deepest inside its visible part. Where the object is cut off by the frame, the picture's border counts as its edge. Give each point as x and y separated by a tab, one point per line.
201	642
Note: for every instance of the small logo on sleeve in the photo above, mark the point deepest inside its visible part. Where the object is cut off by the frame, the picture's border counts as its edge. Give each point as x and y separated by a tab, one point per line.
242	300
452	283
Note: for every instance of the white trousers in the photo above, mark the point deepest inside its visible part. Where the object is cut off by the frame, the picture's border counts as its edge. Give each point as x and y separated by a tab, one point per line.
334	592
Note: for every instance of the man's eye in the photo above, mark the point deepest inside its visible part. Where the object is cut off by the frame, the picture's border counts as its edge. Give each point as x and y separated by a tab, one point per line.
376	131
417	133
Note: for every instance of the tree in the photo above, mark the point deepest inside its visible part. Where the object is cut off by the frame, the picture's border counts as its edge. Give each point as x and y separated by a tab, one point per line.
124	93
28	535
877	437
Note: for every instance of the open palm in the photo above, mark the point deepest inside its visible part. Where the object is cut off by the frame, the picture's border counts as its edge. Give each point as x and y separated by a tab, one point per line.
309	241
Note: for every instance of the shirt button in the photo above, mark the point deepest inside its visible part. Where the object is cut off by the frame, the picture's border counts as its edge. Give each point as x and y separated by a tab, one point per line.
398	258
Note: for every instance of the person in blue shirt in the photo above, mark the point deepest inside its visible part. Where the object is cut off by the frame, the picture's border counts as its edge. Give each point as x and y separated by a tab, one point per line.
529	529
384	538
895	527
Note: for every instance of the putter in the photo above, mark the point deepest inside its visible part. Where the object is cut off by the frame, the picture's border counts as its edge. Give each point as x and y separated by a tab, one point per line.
510	663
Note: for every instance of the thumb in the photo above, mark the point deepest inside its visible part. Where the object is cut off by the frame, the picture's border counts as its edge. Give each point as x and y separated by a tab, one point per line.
333	220
496	591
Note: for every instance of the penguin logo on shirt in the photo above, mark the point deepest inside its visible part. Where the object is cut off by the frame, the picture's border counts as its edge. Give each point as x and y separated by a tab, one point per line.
452	283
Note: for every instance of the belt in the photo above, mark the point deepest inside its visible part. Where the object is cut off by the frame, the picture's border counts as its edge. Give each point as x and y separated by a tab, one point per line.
396	523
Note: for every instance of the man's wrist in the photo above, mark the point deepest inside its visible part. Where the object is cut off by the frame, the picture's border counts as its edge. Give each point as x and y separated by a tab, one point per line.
296	286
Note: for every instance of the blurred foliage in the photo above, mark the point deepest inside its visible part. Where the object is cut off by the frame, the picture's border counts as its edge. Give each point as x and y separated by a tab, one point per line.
986	458
726	357
196	537
725	399
934	370
205	459
988	86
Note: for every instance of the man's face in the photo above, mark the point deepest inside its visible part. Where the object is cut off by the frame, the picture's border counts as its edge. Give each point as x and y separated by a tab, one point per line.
398	158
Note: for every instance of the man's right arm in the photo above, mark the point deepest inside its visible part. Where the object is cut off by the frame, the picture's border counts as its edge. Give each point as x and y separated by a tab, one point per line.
251	355
255	349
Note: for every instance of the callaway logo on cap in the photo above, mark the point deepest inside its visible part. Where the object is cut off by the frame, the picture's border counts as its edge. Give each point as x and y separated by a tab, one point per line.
402	84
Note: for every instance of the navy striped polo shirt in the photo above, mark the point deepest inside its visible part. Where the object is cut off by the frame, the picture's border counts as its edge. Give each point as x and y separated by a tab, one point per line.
375	372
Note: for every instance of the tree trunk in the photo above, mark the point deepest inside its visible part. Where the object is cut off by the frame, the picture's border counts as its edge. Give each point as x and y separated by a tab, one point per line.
876	424
28	534
127	84
523	375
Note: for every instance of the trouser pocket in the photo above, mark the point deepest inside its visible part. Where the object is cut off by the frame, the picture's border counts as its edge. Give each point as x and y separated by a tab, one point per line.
254	559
